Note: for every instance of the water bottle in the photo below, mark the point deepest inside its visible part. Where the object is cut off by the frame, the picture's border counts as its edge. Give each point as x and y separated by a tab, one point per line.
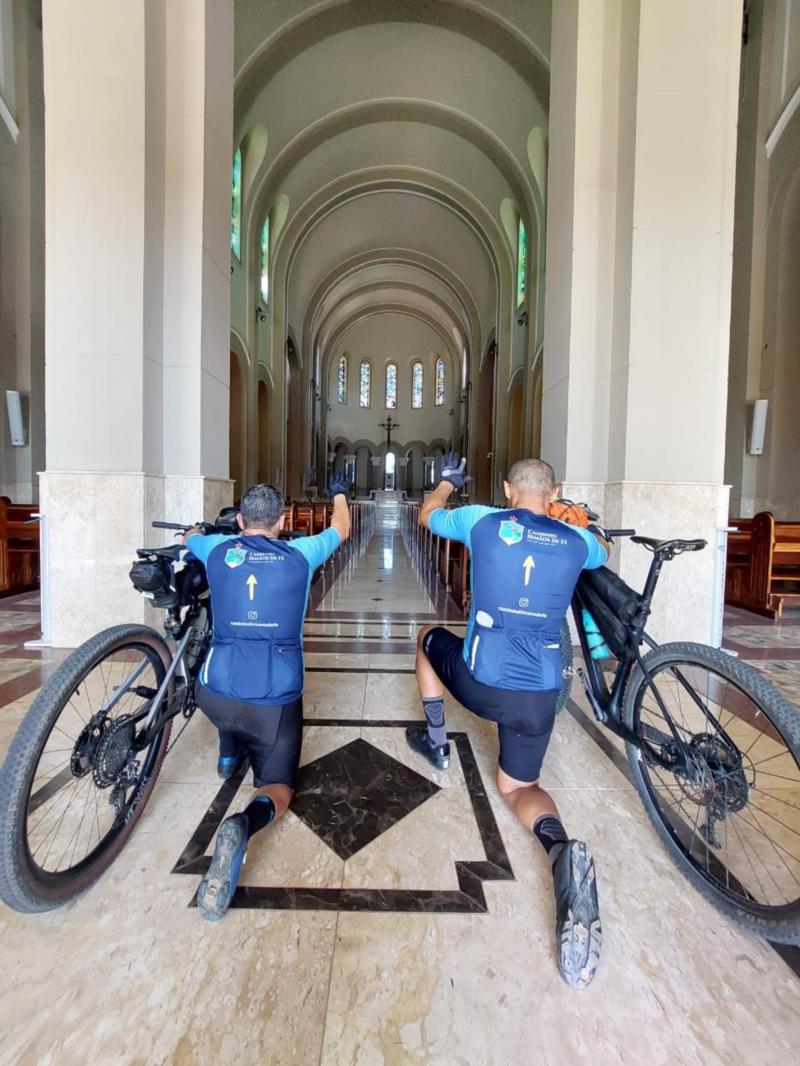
598	649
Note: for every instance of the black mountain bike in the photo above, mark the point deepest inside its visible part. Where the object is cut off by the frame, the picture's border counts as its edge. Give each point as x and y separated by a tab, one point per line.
86	757
713	748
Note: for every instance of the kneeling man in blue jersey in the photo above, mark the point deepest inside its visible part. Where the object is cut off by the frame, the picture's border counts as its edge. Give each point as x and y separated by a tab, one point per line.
251	684
509	669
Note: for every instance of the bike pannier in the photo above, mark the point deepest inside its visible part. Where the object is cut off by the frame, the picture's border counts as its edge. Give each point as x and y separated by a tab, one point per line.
611	603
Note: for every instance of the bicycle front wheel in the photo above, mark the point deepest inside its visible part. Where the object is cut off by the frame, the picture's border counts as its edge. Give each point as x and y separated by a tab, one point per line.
721	781
77	777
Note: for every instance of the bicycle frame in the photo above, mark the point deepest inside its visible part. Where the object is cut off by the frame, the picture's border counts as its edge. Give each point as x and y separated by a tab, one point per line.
606	702
161	708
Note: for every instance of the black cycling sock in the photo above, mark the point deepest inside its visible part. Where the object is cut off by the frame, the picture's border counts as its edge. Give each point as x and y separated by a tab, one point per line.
259	813
434	714
550	833
229	747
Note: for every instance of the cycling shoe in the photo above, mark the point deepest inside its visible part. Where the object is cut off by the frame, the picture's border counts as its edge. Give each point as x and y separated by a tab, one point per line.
418	739
219	885
579	935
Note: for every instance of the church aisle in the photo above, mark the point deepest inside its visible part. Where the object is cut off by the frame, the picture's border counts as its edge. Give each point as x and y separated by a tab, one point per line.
364	933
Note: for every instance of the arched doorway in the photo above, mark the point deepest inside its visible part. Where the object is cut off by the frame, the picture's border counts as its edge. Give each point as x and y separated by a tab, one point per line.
516	443
295	452
363	455
484	430
237	427
414	470
536	440
390	471
264	465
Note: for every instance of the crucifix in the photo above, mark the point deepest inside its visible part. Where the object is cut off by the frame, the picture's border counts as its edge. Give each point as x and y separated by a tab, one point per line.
389	425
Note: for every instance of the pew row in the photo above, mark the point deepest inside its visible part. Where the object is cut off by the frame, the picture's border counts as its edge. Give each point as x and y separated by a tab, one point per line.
763	565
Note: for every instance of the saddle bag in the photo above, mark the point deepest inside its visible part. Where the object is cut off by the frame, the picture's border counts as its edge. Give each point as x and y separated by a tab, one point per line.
154	578
611	602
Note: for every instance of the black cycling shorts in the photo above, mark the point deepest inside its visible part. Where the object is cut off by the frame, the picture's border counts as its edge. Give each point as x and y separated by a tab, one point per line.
524	719
271	736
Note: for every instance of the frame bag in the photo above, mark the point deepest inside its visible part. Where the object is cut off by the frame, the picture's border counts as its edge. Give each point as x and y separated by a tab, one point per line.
611	602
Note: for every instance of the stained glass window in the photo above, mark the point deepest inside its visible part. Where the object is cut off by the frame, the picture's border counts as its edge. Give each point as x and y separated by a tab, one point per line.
265	261
522	264
364	384
416	386
236	205
341	380
391	385
439	391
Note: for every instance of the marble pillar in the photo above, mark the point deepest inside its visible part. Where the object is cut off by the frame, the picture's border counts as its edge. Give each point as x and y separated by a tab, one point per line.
138	134
639	244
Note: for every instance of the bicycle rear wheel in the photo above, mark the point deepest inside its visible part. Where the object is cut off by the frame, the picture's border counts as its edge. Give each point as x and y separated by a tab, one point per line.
76	779
727	805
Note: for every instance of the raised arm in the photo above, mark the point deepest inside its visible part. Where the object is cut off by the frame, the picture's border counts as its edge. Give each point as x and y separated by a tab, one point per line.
453	477
437	499
340	520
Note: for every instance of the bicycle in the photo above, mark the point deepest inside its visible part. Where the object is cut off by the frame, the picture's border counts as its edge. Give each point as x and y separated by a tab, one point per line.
691	717
101	725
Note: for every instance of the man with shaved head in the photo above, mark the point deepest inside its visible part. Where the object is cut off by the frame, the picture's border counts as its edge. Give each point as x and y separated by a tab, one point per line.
509	668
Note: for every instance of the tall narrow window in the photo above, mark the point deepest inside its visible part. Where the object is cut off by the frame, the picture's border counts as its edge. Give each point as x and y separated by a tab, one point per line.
522	264
416	386
364	384
391	386
236	205
341	380
265	262
438	398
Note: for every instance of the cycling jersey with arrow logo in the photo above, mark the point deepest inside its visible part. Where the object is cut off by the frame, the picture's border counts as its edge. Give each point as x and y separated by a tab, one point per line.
259	591
524	569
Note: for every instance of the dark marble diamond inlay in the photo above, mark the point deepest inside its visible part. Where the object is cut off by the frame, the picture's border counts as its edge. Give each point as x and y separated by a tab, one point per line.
352	795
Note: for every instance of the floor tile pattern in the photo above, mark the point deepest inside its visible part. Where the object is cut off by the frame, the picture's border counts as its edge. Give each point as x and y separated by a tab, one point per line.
352	795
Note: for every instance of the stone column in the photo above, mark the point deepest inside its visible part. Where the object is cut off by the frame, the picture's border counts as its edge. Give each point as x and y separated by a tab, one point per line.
641	183
138	134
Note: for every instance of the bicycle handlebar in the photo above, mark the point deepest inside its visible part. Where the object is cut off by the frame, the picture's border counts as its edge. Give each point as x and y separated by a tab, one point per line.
169	525
611	533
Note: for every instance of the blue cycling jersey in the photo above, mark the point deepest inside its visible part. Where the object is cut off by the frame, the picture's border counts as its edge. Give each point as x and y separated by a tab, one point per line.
259	592
524	570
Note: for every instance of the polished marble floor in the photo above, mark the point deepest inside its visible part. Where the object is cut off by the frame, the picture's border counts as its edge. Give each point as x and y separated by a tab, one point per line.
397	915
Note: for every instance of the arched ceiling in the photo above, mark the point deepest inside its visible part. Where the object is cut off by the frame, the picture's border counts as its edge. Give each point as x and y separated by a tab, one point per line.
447	93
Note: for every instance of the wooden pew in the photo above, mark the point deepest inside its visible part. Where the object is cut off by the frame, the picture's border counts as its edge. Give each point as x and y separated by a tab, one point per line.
772	578
19	548
739	558
461	576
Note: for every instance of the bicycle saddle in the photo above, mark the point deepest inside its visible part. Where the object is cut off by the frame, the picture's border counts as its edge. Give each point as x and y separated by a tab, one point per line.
668	549
171	552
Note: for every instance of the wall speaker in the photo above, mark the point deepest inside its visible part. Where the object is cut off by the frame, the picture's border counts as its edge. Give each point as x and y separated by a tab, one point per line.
15	424
758	426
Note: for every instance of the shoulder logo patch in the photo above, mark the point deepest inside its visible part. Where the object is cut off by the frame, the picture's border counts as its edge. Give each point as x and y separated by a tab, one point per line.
235	557
510	531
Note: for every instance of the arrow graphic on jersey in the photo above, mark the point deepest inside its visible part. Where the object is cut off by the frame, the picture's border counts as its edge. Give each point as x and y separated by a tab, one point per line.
527	566
252	581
